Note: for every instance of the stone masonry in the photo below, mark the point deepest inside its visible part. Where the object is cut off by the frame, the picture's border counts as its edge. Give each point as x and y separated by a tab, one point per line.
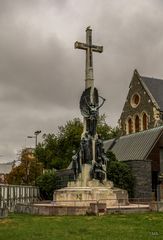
146	106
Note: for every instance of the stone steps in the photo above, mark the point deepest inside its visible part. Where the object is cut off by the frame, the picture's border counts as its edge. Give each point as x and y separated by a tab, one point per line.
93	209
131	208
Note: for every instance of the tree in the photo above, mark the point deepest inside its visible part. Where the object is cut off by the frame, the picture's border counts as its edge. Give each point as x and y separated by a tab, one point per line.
120	174
106	131
28	170
56	149
47	184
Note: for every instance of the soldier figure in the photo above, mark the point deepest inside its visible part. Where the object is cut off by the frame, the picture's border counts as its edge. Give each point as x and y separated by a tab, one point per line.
76	163
86	149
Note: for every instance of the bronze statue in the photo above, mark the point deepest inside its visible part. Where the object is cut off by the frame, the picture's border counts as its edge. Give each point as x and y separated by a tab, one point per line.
76	166
89	106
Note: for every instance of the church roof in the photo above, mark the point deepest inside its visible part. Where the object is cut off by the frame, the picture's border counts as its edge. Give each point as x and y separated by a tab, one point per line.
136	146
155	86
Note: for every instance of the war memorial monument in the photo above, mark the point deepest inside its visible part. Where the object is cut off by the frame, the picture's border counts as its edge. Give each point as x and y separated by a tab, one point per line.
89	163
90	192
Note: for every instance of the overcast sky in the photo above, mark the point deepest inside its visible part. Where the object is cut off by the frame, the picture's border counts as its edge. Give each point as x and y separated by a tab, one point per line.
42	75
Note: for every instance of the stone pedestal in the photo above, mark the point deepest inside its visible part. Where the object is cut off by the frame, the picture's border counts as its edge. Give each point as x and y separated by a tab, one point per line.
85	191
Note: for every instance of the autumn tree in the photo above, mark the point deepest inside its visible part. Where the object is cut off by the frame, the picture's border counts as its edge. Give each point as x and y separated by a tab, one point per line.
28	170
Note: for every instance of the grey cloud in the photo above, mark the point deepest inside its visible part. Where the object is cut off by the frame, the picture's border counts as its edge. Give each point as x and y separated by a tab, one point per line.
37	70
42	75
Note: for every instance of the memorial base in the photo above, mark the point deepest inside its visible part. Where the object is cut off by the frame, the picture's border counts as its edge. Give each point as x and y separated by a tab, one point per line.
84	191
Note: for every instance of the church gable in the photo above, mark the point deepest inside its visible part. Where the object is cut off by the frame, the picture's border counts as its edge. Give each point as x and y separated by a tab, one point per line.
140	110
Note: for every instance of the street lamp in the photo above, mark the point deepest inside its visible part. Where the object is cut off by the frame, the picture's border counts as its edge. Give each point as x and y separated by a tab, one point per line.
36	133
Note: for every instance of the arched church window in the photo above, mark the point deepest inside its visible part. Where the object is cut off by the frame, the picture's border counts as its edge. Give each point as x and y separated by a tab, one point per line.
129	125
137	127
145	121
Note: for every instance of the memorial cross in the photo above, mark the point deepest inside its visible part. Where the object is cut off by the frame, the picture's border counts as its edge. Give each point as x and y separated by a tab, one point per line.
90	48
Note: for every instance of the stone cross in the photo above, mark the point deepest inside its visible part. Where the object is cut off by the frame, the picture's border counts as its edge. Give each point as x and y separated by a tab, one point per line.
89	56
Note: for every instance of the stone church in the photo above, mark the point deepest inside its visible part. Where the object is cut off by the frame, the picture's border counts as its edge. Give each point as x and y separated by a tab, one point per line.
141	143
143	108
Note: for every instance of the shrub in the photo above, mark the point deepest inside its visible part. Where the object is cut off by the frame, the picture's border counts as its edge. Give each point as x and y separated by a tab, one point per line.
47	185
120	174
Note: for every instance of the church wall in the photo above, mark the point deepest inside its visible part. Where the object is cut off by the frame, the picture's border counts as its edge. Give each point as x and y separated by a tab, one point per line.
131	111
155	157
141	170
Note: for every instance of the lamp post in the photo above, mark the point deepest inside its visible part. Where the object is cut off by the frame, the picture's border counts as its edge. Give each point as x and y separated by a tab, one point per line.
36	133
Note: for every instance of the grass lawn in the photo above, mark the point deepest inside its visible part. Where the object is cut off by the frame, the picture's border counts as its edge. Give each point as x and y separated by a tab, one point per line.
119	226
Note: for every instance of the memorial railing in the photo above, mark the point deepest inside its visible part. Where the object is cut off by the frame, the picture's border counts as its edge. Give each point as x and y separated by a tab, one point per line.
10	195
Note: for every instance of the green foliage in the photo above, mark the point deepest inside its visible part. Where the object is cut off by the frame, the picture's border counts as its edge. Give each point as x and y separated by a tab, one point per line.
120	174
106	131
111	156
28	170
47	184
56	149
